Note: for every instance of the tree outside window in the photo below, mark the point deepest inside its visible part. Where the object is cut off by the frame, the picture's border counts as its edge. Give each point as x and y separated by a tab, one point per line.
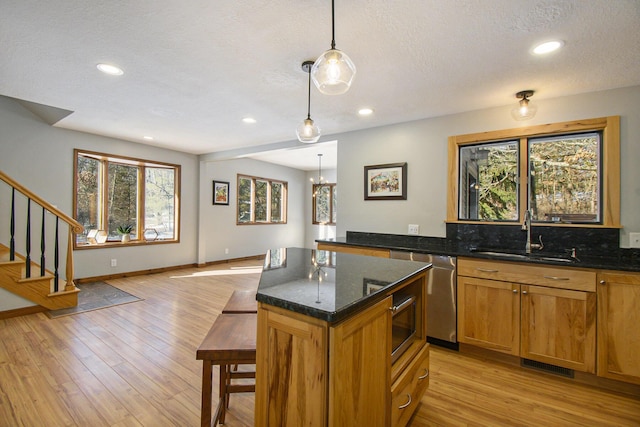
324	204
261	201
116	192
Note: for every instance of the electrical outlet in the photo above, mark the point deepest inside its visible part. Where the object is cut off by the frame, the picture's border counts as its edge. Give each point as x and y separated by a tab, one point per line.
634	240
226	250
114	262
414	229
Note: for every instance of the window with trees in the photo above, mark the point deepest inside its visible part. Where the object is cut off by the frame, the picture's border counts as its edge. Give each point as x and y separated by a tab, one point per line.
562	173
261	200
120	195
324	204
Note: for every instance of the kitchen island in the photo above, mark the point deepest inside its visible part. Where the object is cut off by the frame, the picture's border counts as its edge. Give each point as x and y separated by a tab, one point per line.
328	324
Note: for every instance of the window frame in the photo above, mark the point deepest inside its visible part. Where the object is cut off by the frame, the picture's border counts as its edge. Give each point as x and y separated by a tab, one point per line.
284	200
610	165
332	187
141	164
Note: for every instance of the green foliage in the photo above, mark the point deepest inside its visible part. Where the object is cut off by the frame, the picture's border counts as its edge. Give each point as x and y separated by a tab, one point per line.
125	229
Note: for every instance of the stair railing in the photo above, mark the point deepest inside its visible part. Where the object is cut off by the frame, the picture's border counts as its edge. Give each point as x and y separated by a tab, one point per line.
74	227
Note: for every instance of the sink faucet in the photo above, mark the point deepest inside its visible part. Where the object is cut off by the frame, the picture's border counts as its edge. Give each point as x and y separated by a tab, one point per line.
527	226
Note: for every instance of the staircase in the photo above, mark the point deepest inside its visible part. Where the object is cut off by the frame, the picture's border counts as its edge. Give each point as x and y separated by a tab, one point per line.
18	273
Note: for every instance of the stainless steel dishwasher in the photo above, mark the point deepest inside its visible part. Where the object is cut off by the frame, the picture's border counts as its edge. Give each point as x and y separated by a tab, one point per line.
441	297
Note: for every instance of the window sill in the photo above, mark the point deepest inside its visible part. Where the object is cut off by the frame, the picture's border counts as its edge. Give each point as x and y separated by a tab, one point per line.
117	244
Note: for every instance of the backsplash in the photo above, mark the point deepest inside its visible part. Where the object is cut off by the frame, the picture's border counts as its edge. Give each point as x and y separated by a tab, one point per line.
556	240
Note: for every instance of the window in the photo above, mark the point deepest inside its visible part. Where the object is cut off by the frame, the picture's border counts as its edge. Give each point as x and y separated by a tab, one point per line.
563	173
261	200
324	204
113	192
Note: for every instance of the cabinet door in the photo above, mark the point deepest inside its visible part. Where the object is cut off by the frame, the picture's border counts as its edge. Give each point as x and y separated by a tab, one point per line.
360	368
558	327
489	314
291	361
619	326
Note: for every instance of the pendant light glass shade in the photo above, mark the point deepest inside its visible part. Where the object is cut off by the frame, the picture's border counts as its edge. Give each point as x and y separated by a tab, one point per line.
333	71
525	109
307	131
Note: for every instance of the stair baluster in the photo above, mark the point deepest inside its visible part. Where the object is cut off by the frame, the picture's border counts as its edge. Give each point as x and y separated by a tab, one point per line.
28	245
12	244
56	261
42	244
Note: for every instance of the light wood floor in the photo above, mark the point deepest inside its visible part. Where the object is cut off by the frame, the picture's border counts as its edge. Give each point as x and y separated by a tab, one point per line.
134	365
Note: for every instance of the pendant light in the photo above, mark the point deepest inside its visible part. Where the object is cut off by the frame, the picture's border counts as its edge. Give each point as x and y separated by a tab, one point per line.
525	109
307	131
333	71
320	177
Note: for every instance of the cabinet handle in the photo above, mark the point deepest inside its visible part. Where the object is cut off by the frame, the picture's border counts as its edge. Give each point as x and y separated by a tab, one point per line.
406	404
426	374
602	282
524	292
486	270
515	291
556	278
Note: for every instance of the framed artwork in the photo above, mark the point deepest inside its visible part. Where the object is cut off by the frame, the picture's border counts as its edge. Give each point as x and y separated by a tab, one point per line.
220	193
385	182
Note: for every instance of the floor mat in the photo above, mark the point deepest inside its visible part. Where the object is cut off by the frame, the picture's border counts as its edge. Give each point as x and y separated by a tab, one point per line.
94	296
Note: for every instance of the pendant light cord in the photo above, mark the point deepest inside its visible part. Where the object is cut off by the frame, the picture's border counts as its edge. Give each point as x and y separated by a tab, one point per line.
309	94
333	25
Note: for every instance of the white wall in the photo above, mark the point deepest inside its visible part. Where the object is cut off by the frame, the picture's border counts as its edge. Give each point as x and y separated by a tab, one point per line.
217	226
423	145
314	231
40	157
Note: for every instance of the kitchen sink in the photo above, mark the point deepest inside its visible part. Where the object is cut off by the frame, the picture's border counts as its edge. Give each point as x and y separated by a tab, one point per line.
519	255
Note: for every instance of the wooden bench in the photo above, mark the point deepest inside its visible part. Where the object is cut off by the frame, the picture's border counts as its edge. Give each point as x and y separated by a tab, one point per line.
230	341
241	302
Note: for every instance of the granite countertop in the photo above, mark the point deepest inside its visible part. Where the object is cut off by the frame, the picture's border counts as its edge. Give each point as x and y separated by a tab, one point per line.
623	259
347	282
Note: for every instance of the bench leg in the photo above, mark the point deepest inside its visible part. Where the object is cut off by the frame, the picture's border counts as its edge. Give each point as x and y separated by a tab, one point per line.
207	385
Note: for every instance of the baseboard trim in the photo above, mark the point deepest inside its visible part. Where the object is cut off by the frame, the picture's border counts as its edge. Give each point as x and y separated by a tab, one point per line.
17	312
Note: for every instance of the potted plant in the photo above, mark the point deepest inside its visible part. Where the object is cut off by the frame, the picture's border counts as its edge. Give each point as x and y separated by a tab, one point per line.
125	230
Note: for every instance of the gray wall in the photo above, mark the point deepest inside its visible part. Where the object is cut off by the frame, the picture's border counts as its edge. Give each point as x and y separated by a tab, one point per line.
40	157
423	145
217	226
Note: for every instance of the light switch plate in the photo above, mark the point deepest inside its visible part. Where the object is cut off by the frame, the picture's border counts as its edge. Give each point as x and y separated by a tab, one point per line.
414	229
634	240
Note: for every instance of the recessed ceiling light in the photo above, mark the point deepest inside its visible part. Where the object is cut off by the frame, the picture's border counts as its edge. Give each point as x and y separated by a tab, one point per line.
112	70
548	47
249	120
148	138
365	111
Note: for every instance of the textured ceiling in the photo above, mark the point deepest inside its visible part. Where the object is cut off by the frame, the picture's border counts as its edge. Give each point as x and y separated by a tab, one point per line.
195	68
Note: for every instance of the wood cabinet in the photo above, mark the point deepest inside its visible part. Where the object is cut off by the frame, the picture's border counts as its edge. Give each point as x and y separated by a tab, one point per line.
619	326
357	250
536	312
310	372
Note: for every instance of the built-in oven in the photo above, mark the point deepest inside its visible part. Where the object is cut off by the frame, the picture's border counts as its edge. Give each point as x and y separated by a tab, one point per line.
403	324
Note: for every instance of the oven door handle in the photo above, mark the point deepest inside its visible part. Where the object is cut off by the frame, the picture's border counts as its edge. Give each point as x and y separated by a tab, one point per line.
398	308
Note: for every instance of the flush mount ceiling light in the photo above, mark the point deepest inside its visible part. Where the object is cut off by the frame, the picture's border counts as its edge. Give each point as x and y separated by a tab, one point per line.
249	120
112	70
548	47
525	109
365	111
308	132
333	71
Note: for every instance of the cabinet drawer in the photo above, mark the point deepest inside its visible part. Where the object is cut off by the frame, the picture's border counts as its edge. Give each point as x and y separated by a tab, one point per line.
553	277
407	391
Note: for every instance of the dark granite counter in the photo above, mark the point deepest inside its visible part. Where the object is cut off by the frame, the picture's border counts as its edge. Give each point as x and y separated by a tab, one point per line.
329	285
468	241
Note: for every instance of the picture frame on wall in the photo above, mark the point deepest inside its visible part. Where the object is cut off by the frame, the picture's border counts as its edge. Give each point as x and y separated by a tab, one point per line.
385	182
220	193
